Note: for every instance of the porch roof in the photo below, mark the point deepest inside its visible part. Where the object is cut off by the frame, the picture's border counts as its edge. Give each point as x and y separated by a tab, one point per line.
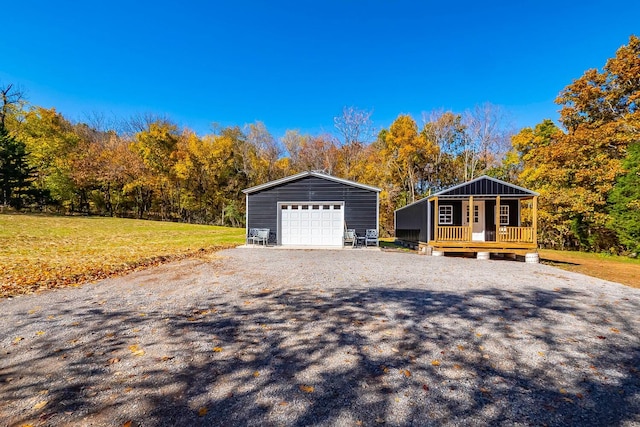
485	186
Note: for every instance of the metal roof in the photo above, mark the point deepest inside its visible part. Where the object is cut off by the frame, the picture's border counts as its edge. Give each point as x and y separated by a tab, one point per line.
485	186
459	190
306	174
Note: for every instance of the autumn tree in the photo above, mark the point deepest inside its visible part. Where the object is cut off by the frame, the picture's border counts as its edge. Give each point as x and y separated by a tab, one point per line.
408	153
264	151
446	133
355	129
487	139
600	113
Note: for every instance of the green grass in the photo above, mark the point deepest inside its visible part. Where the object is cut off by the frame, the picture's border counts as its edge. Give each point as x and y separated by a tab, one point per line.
52	251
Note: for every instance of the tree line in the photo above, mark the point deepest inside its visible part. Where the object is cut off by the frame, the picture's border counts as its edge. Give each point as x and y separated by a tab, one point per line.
585	168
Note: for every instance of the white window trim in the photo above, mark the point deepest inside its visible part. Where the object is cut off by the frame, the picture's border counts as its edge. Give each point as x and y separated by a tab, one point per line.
443	215
504	214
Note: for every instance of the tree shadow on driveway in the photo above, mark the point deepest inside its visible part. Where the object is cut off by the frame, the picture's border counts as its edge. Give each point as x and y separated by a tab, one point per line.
341	356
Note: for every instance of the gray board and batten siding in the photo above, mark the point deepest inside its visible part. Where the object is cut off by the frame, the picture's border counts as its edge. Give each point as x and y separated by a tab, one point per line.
415	222
360	202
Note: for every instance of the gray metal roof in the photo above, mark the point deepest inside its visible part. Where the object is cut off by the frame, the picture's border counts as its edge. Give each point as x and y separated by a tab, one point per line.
492	187
485	186
306	174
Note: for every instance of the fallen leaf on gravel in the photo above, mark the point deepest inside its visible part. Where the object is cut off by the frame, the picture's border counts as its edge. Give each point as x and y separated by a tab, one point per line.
425	387
217	349
113	360
40	333
128	389
456	366
478	334
283	403
40	404
405	372
461	348
135	350
384	369
307	388
563	391
541	353
435	362
165	358
17	339
202	411
579	395
256	374
484	390
615	330
110	335
127	424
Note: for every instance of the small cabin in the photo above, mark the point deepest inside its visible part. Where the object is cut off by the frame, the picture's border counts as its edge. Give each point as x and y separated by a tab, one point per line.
484	215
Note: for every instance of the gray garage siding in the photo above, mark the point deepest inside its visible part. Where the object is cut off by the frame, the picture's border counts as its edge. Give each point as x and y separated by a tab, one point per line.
360	204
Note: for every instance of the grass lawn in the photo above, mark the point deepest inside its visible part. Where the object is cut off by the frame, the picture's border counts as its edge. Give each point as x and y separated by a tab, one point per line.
40	252
615	268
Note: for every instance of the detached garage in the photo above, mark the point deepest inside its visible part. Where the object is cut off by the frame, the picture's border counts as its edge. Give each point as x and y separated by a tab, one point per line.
311	209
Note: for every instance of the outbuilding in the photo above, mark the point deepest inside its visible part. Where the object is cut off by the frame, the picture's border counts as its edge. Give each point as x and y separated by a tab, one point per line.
503	219
312	209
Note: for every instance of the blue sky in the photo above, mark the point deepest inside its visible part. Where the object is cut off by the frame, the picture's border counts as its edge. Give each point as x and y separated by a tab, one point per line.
296	64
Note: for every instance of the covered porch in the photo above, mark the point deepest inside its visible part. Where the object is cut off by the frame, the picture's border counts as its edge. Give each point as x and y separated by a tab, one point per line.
498	224
484	215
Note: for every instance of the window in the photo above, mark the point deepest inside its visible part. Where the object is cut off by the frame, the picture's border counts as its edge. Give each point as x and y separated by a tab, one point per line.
504	214
476	213
445	214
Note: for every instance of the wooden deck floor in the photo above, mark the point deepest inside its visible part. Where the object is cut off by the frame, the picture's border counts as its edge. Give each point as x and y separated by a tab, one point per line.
519	248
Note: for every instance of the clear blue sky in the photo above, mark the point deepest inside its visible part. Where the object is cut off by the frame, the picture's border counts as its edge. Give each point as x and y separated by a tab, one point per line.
295	64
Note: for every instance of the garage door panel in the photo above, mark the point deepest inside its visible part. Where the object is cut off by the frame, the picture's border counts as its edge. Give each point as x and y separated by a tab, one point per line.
316	223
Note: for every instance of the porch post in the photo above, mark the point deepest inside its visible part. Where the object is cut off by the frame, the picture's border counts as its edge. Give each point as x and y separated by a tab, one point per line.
535	220
436	219
497	219
471	211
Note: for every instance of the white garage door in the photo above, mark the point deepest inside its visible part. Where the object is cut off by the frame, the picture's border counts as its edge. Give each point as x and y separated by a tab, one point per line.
312	224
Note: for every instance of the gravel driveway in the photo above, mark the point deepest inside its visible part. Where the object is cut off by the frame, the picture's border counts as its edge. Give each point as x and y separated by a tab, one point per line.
352	338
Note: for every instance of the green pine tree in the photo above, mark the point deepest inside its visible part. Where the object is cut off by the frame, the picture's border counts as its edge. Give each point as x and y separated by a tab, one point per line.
624	201
15	174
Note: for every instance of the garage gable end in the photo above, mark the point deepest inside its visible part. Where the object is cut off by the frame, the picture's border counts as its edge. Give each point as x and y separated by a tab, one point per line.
312	209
